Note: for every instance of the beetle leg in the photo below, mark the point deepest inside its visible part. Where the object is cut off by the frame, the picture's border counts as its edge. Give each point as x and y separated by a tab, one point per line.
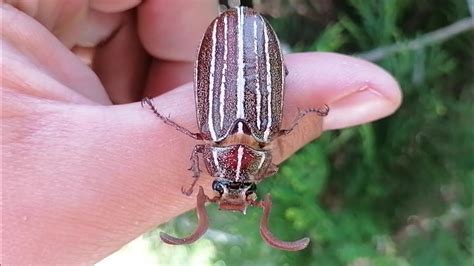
203	222
268	236
321	111
147	101
194	168
271	170
286	70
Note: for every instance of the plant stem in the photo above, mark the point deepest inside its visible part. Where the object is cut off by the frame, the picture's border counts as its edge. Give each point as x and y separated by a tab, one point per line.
430	38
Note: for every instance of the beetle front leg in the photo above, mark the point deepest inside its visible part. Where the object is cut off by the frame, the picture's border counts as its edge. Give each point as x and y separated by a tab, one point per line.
194	168
271	170
169	122
321	111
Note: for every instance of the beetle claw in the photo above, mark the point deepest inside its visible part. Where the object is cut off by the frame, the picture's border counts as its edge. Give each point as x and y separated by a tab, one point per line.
268	236
195	168
196	171
323	111
143	101
188	191
203	223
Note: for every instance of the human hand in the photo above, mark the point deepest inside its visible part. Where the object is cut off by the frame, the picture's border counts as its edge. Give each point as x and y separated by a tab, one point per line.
82	177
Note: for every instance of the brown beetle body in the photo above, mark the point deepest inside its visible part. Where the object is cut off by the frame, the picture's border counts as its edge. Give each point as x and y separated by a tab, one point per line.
239	77
239	87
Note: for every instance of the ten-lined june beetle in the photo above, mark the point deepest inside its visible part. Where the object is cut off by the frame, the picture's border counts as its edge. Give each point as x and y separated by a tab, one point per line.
239	87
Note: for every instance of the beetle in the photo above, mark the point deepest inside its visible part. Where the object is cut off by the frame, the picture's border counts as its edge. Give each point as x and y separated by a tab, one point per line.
239	81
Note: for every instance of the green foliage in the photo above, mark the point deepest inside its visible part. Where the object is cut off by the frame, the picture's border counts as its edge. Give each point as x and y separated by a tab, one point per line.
331	39
394	192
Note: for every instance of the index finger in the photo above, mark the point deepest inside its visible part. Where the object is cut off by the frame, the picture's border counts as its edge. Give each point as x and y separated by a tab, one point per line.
173	31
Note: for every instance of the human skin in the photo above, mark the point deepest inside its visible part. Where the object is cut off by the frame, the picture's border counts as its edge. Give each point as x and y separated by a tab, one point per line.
85	169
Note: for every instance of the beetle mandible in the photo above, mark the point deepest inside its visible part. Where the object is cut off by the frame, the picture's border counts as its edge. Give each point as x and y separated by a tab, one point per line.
239	81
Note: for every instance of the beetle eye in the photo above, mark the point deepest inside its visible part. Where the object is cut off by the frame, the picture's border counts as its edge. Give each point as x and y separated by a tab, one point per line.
251	189
217	186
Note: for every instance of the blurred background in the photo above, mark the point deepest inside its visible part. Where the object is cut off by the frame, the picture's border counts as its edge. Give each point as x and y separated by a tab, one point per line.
398	191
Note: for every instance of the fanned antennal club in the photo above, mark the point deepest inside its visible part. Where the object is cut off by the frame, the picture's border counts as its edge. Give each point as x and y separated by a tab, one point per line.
203	223
268	236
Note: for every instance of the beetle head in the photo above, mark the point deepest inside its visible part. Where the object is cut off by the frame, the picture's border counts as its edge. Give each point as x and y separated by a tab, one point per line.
234	196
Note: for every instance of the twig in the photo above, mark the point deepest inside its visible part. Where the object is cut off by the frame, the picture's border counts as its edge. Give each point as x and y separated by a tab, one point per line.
470	4
430	38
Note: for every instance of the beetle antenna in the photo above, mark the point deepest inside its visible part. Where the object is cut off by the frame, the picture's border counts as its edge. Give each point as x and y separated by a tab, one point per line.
268	236
203	223
148	102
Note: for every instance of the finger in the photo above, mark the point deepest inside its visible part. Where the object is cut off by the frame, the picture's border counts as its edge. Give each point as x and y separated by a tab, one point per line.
52	14
122	64
37	63
312	81
94	28
356	91
76	22
124	76
114	6
165	75
173	32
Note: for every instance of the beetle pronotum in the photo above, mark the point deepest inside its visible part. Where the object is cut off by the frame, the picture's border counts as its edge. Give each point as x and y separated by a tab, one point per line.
239	87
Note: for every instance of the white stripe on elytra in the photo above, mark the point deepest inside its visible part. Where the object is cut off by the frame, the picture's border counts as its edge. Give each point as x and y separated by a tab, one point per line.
269	87
257	88
240	155
262	160
216	162
224	69
210	121
240	64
